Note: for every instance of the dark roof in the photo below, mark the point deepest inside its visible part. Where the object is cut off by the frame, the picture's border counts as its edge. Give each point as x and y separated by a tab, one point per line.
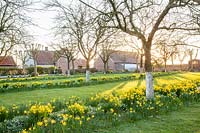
124	57
7	61
45	58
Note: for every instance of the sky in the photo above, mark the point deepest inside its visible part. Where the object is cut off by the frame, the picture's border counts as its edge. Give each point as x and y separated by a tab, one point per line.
44	19
42	33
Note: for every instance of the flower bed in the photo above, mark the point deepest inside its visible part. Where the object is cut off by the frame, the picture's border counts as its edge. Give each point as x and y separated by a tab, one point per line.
11	87
76	115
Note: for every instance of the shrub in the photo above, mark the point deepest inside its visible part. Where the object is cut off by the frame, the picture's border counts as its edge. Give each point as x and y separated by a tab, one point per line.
45	70
4	71
16	124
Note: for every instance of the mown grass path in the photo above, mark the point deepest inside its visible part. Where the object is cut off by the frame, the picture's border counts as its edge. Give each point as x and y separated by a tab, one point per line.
185	120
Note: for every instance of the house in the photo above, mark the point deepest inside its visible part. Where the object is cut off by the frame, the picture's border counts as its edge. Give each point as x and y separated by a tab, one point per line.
46	58
7	61
175	67
62	64
119	61
194	65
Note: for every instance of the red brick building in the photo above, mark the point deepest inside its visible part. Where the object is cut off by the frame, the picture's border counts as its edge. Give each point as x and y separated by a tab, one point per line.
7	61
62	64
46	58
119	61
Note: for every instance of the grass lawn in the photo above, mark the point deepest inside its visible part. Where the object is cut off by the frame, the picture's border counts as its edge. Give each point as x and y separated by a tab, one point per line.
45	95
125	113
185	120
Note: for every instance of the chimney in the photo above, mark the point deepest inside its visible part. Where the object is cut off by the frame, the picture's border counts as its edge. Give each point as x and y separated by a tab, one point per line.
46	48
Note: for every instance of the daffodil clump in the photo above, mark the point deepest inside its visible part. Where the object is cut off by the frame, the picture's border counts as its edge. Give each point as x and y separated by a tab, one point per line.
76	109
3	113
41	110
21	86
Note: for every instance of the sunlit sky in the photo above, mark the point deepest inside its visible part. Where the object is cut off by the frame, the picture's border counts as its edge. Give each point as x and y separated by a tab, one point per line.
43	33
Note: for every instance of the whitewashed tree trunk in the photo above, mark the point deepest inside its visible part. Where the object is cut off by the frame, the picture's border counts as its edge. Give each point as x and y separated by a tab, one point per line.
35	68
87	75
68	72
149	85
141	70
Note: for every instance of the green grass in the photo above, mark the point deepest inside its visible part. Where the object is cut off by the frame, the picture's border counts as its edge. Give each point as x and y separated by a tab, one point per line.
185	120
45	95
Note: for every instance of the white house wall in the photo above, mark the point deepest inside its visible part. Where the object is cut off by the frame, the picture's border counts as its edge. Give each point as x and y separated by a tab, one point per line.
29	63
131	67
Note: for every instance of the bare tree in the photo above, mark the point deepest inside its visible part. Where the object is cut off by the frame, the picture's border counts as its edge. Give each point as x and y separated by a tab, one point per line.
81	22
7	42
193	55
67	49
165	52
142	19
182	54
22	55
33	50
108	47
12	23
139	54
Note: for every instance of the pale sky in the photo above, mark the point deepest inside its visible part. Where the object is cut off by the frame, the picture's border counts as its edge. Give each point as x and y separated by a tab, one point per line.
44	19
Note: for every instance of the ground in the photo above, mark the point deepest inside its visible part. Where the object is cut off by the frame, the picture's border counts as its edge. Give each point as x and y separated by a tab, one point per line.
185	119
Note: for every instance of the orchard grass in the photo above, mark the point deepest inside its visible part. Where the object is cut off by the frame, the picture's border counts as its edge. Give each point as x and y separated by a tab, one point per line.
118	107
45	95
17	86
185	120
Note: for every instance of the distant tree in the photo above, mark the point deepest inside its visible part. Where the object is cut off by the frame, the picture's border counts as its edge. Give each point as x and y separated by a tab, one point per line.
33	50
139	54
193	55
182	54
165	51
67	49
107	48
83	24
23	56
12	22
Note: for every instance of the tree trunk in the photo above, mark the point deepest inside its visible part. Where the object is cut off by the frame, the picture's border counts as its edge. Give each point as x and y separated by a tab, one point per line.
68	68
73	67
181	65
148	70
35	68
23	69
191	67
87	75
105	67
141	63
165	66
137	65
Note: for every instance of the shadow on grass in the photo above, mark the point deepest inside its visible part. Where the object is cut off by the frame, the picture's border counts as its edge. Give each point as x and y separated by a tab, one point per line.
155	81
181	76
117	87
139	82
